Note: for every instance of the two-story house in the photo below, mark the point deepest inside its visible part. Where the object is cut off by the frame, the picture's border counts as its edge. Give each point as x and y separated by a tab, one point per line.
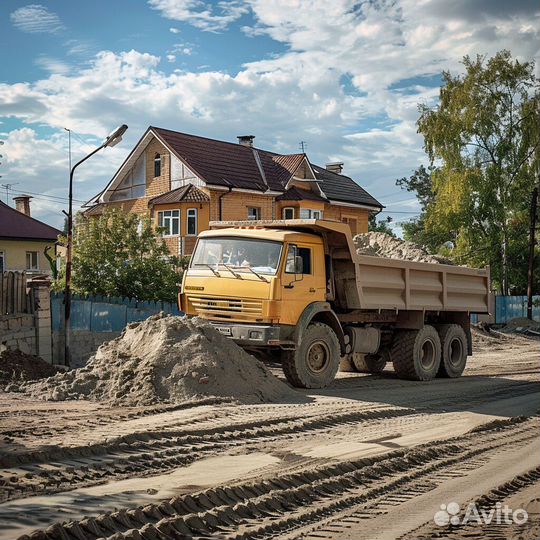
185	181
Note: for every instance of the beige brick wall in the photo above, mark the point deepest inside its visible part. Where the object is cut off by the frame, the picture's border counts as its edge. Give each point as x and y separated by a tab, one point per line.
235	205
160	184
340	212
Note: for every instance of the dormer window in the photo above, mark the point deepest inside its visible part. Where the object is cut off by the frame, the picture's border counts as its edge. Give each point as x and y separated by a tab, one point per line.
157	165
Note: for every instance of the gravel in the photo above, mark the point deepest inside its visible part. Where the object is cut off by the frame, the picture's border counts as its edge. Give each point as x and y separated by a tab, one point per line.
379	244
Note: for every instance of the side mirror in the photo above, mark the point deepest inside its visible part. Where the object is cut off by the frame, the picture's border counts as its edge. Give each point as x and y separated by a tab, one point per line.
298	265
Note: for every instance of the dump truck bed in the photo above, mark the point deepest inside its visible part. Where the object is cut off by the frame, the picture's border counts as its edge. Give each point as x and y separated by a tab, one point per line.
366	282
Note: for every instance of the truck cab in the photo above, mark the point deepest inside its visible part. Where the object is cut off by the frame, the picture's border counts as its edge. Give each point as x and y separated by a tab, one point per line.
254	289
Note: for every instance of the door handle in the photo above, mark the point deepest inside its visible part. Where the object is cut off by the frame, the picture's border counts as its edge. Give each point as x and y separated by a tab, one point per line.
311	289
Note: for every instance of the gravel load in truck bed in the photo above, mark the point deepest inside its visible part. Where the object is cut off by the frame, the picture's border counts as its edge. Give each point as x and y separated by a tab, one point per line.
379	244
166	359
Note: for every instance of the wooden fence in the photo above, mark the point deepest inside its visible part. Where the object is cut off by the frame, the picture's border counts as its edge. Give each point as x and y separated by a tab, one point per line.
14	297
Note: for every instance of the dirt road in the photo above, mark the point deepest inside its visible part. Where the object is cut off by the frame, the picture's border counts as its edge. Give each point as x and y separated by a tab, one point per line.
370	457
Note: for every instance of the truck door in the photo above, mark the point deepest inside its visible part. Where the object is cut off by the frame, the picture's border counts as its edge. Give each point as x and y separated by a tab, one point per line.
302	285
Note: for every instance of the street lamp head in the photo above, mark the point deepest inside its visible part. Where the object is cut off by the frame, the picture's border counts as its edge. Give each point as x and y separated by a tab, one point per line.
116	136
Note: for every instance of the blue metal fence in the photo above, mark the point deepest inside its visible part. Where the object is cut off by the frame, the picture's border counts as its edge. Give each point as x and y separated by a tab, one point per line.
510	307
105	313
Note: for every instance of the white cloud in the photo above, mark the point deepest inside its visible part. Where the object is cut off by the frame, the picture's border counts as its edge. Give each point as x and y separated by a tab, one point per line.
348	83
209	17
174	30
52	65
35	18
171	58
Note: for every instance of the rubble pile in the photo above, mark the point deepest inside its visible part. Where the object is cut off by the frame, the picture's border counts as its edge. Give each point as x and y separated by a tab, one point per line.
379	244
166	359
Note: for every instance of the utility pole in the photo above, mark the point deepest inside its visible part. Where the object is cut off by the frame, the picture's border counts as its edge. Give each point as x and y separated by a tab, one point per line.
7	187
534	206
303	145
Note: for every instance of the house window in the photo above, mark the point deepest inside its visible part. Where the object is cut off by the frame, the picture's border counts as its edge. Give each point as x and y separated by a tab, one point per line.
32	260
192	222
2	262
157	165
254	212
307	213
169	220
288	213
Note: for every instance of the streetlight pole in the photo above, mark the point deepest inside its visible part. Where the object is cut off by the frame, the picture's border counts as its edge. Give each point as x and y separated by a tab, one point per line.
114	138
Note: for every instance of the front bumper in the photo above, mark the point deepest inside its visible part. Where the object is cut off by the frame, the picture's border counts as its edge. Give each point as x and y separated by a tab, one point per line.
255	335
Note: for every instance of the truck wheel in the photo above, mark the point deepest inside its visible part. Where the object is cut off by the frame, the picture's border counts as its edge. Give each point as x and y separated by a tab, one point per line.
416	354
454	350
315	362
370	363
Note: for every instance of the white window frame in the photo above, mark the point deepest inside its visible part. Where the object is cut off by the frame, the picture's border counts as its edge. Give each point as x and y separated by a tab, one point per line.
188	216
167	215
30	267
258	212
284	210
311	213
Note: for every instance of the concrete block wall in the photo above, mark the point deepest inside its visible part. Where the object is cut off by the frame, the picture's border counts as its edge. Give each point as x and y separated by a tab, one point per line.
18	332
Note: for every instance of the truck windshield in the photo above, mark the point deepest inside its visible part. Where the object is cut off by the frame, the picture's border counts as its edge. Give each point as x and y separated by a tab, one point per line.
240	254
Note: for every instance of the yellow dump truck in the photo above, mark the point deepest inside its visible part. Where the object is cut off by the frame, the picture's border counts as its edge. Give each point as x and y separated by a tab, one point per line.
298	291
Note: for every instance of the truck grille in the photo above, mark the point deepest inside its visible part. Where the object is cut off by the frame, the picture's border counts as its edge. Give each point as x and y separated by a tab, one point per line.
226	308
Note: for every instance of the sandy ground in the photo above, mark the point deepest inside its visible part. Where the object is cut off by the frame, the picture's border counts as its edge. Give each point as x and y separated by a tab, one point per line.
370	457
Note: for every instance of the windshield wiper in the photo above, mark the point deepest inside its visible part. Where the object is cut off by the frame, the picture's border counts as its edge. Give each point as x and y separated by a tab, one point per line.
256	273
216	273
235	274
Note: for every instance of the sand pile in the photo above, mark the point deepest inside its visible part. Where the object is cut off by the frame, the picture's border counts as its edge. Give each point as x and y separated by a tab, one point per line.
379	244
17	367
166	359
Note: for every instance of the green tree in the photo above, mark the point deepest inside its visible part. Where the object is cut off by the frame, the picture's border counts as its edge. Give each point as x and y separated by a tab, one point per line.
484	137
383	225
121	254
420	183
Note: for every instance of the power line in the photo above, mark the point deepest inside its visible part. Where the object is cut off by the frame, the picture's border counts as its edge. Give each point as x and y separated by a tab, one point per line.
43	195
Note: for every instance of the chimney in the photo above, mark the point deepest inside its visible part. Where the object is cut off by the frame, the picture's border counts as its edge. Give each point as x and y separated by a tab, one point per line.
245	140
335	167
22	204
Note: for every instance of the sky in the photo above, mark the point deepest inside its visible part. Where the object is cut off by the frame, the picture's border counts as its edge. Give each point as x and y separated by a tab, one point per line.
344	76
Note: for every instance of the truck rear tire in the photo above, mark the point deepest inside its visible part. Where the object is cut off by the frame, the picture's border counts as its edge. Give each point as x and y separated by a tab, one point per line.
315	361
453	350
370	363
416	354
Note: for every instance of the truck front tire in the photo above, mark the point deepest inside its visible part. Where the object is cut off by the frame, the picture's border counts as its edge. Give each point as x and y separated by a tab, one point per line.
315	361
453	350
416	354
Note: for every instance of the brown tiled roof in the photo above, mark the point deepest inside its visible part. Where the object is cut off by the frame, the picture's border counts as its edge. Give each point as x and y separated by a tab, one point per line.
297	194
228	164
15	225
232	165
188	193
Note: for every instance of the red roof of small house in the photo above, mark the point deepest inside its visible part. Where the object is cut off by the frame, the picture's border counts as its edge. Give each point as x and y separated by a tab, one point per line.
15	225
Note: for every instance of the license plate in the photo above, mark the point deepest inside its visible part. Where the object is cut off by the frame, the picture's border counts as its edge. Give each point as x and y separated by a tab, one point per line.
224	330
